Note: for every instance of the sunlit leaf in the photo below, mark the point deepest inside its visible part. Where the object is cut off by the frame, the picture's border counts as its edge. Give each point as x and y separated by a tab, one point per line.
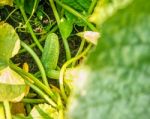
106	8
12	85
44	111
114	82
6	2
9	41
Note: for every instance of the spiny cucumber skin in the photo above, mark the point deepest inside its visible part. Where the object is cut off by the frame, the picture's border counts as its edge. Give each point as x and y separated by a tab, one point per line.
51	52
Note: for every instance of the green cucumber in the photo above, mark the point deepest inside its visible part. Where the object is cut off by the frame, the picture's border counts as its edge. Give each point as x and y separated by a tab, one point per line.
50	53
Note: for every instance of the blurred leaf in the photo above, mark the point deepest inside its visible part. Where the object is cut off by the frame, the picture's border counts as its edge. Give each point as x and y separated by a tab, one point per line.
65	27
43	111
114	82
12	85
6	2
106	8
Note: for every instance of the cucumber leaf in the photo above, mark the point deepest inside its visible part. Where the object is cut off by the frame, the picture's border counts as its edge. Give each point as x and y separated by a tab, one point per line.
12	85
65	27
114	81
106	8
81	6
9	42
6	2
43	111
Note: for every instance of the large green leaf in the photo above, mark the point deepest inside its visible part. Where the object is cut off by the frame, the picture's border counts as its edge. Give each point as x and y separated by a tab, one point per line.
9	42
80	5
114	83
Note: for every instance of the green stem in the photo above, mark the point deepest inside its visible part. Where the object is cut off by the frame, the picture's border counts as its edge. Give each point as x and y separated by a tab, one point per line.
10	14
67	49
69	9
83	40
28	108
33	101
61	77
35	80
92	6
30	29
66	45
2	111
37	60
54	74
41	93
7	110
54	11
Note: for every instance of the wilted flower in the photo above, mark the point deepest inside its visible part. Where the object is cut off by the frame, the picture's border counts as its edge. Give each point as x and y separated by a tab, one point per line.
90	36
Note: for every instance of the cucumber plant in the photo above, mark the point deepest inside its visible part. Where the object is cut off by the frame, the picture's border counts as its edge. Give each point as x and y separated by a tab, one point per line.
61	81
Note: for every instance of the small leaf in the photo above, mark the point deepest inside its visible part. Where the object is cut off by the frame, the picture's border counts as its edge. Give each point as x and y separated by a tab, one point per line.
44	111
65	27
11	83
6	2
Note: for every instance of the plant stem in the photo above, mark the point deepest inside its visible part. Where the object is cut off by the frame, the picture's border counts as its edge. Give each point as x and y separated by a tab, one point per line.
83	40
90	10
54	74
69	9
28	108
7	110
61	85
10	14
37	60
30	29
2	111
35	80
66	45
41	93
32	101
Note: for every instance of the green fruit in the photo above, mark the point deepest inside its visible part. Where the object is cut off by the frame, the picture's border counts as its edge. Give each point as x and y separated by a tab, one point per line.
51	52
